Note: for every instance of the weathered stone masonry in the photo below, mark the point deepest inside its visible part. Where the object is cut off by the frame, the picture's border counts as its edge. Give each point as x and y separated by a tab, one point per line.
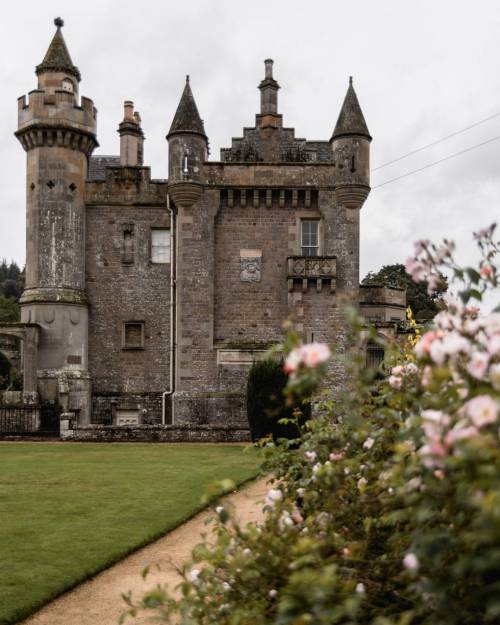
150	299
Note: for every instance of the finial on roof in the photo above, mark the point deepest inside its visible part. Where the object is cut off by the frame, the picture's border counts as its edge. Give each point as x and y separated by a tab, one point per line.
187	77
59	22
351	120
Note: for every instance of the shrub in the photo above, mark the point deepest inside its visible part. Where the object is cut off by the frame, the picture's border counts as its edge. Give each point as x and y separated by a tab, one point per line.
388	512
267	409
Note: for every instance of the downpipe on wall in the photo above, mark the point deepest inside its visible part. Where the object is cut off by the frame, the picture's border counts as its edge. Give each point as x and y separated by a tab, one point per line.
172	306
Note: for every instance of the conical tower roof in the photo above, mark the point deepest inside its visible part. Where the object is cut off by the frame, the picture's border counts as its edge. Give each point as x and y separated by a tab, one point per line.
57	58
351	120
187	118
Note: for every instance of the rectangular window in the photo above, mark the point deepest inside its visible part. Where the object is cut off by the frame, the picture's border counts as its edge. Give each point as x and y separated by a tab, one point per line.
133	335
309	237
160	246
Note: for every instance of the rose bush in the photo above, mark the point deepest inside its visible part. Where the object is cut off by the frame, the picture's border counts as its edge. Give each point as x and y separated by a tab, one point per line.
387	510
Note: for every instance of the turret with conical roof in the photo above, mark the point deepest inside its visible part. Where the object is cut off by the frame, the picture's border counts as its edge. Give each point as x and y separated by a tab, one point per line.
187	149
351	120
186	118
351	152
57	70
58	132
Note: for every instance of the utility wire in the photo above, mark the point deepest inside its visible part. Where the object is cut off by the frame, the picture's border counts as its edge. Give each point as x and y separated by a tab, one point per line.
429	145
441	160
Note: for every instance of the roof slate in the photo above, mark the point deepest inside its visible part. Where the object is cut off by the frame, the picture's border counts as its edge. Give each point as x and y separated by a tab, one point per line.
98	164
57	57
351	120
187	118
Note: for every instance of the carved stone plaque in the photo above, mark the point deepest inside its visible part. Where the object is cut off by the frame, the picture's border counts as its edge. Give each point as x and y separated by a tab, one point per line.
250	265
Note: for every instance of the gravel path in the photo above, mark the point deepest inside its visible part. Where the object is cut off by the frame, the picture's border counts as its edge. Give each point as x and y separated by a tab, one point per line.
99	602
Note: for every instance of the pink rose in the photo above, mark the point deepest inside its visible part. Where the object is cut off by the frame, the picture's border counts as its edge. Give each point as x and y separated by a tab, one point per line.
459	433
478	364
493	345
336	456
422	348
486	271
395	382
293	361
482	410
410	562
315	353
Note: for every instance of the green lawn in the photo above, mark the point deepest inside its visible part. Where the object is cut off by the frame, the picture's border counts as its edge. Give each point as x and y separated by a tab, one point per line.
69	510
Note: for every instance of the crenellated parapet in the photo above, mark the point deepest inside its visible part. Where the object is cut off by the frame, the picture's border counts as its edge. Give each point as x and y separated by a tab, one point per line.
55	120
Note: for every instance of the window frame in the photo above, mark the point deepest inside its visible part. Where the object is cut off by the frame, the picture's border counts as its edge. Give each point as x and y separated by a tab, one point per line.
303	247
68	81
124	335
152	247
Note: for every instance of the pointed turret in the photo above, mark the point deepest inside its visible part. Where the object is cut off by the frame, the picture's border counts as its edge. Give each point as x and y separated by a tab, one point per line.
187	118
351	120
187	151
57	57
351	153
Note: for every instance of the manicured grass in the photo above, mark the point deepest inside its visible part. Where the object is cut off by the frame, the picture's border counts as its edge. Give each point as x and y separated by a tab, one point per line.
69	510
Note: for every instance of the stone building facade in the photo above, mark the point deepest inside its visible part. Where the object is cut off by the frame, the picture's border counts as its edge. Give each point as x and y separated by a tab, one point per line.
151	298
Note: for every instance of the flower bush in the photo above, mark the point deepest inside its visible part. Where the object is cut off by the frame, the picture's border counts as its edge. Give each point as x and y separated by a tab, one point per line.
387	510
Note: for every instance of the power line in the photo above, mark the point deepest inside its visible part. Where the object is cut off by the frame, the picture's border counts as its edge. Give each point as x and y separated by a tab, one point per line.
441	160
429	145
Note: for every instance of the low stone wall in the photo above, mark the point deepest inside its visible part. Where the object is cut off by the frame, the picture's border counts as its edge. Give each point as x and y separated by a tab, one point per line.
154	433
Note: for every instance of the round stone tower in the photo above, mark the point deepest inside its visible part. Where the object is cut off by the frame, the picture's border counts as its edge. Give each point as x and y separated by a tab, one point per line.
351	153
58	132
187	151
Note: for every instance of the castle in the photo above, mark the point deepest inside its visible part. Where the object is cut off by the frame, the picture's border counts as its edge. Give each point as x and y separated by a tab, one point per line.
146	300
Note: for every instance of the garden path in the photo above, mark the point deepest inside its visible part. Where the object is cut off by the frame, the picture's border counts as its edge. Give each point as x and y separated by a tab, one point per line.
98	601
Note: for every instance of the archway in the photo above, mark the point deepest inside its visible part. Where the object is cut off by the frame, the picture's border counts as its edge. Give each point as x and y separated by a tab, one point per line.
5	372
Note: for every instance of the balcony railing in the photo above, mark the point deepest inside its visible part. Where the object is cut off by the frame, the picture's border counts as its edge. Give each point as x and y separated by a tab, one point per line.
309	269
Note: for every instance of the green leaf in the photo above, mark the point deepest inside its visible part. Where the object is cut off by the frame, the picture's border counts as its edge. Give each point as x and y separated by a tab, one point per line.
474	276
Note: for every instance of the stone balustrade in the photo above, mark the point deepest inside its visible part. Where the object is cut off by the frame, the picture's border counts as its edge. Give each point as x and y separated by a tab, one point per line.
312	269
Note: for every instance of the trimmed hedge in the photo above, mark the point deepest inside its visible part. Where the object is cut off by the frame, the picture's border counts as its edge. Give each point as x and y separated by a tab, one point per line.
266	404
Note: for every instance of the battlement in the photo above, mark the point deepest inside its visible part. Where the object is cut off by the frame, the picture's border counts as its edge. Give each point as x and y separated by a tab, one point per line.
58	109
379	294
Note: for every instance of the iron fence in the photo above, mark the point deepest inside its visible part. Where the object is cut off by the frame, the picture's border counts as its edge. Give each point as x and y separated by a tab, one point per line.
19	418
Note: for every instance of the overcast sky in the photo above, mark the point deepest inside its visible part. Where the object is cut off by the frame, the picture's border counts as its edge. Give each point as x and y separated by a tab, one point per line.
422	69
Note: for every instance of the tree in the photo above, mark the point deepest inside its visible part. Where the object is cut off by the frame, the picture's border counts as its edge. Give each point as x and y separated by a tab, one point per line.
423	305
9	310
11	280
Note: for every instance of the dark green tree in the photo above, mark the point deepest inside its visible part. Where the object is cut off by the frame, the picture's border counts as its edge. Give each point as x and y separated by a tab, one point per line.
423	305
9	310
11	280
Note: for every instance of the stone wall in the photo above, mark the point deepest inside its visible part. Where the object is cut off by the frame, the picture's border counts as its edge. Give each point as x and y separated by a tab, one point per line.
148	406
123	285
157	433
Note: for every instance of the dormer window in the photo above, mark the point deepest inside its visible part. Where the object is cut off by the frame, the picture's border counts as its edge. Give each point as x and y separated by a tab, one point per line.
67	85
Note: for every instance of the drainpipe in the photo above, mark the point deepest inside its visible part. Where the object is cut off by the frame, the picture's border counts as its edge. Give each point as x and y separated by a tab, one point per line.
173	311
